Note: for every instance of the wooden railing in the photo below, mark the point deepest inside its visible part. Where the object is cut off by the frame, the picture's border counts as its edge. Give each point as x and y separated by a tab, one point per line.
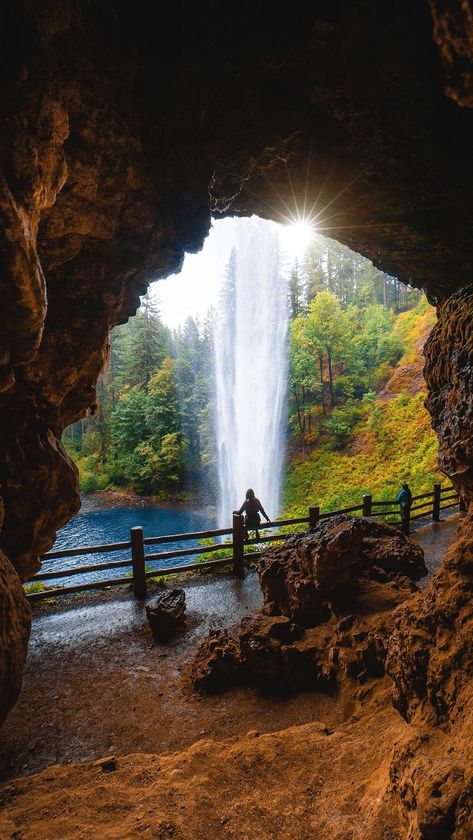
430	504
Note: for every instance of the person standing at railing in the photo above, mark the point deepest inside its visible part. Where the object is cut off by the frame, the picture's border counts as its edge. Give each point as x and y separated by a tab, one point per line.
252	508
404	499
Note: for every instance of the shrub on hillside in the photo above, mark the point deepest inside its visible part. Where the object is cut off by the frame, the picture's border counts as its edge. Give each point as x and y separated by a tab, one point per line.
342	422
383	372
390	349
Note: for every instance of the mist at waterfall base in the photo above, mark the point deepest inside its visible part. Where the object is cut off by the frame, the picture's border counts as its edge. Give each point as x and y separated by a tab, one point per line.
242	273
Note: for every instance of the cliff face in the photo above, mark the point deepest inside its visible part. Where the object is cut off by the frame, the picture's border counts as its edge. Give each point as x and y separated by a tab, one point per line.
449	374
123	127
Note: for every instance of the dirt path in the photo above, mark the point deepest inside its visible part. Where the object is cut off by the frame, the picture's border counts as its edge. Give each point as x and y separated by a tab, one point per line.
96	683
435	538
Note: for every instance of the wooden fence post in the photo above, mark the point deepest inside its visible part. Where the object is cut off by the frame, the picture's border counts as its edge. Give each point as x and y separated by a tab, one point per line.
406	521
436	503
238	545
138	562
314	516
367	500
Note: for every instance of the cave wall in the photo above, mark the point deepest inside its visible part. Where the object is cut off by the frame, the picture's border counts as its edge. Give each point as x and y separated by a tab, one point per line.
453	34
125	125
448	372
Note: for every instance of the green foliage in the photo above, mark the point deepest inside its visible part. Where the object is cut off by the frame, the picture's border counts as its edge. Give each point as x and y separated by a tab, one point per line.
91	474
351	328
341	424
158	580
393	442
148	446
368	443
129	421
161	406
337	354
221	554
35	586
153	428
149	344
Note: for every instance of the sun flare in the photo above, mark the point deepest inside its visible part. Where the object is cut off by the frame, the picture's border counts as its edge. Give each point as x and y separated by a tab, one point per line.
297	236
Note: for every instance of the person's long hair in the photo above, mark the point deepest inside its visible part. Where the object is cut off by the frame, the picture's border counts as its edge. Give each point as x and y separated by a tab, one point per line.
250	494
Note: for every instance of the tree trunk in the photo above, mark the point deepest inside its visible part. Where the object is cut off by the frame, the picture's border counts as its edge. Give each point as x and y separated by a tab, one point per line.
298	409
330	376
321	363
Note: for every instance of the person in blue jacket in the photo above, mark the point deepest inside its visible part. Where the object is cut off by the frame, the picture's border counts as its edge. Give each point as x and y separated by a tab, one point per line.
404	498
252	508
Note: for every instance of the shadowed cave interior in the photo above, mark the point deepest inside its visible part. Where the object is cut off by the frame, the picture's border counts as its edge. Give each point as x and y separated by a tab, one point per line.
123	129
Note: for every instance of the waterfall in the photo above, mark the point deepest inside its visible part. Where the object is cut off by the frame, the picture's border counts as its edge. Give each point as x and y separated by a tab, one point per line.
250	340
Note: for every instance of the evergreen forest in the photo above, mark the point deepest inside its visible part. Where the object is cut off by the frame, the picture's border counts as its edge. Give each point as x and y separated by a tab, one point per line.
355	416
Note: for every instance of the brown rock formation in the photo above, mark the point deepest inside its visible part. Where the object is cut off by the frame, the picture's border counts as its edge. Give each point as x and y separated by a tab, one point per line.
449	375
374	776
430	661
430	652
166	615
299	783
453	33
15	622
346	625
312	572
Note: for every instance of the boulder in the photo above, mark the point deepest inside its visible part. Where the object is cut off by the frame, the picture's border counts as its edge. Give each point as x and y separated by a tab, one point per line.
329	596
303	578
167	613
217	665
262	640
385	547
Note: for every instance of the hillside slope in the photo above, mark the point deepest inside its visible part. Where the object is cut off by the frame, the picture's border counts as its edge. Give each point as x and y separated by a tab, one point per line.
391	443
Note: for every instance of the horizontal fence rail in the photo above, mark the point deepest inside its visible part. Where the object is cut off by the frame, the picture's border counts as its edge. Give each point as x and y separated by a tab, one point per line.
422	505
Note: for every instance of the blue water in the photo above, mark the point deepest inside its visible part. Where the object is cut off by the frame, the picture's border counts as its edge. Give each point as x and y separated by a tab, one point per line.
109	526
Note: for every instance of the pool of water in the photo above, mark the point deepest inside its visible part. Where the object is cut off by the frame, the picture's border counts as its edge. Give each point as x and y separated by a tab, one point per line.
109	526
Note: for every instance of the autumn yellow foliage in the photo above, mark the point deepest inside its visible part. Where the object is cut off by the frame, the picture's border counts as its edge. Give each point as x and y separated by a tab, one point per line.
392	443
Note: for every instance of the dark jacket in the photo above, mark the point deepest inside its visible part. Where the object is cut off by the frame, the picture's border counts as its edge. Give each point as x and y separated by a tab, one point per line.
252	508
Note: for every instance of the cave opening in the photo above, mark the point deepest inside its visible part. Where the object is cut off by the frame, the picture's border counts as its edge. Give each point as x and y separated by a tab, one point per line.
118	139
276	357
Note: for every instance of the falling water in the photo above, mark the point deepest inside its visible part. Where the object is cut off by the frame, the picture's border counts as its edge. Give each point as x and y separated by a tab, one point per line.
250	335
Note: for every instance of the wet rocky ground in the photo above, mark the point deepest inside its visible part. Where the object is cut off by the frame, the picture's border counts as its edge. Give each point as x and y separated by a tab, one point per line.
97	683
435	538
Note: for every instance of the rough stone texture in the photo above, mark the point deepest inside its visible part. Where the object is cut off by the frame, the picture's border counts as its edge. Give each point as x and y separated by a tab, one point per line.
166	614
430	661
313	632
453	33
430	651
302	782
449	375
217	665
15	623
278	656
326	564
427	783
